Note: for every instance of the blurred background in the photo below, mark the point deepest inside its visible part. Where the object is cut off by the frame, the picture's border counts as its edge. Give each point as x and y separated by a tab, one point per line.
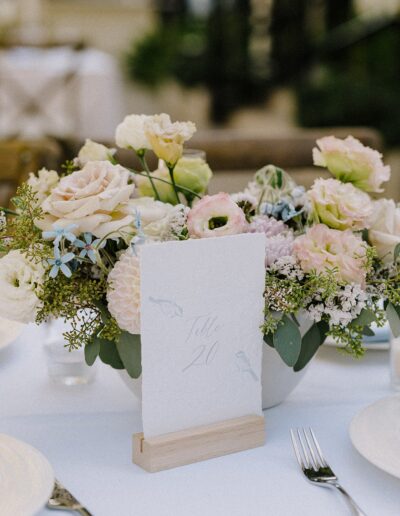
262	79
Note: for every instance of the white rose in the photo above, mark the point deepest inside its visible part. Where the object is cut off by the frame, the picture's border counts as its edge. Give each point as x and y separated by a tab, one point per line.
92	199
93	151
131	133
43	183
153	216
385	228
167	137
19	279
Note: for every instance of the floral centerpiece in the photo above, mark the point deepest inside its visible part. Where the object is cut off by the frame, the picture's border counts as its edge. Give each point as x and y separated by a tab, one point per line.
71	247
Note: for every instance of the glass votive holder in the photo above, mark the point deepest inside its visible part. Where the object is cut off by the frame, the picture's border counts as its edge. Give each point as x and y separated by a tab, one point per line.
395	362
194	154
65	367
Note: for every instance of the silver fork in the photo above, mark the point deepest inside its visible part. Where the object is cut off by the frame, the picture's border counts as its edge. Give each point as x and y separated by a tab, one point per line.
61	499
314	466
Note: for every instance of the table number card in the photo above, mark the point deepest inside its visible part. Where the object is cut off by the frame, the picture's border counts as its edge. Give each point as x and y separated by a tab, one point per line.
201	311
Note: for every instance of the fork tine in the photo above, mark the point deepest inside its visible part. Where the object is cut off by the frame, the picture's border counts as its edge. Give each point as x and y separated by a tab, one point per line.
314	460
296	450
318	448
304	450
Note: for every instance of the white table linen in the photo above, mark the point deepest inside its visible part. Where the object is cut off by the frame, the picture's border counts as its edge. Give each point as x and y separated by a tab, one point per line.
85	432
59	92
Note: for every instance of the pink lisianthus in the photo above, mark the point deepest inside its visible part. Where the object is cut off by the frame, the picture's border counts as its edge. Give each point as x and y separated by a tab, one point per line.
322	248
340	205
216	215
352	162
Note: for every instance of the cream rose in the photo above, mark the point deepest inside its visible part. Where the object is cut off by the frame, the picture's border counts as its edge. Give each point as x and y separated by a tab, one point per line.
130	134
19	280
322	248
340	205
93	151
352	162
167	138
384	232
154	216
92	199
43	183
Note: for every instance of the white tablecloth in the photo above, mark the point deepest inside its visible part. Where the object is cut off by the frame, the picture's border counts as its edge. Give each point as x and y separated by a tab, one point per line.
59	92
86	431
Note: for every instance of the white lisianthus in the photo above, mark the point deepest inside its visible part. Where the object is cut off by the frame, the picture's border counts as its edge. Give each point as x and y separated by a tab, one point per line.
130	134
19	280
167	137
340	205
91	199
384	232
43	183
352	162
154	216
93	151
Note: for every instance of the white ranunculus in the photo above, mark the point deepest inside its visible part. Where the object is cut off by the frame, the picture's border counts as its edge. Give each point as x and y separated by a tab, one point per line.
93	199
153	216
384	232
43	183
130	134
93	151
167	137
19	280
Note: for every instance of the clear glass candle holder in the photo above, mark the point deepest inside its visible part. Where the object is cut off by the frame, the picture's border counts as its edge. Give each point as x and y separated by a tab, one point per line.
395	362
194	154
65	367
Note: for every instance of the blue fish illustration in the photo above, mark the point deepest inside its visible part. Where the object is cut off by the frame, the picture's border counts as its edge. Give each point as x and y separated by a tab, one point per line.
168	308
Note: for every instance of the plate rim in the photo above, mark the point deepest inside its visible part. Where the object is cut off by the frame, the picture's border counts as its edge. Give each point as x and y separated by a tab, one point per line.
353	422
40	501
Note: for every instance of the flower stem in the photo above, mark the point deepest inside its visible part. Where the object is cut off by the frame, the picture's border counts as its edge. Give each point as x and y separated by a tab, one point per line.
183	188
142	159
171	175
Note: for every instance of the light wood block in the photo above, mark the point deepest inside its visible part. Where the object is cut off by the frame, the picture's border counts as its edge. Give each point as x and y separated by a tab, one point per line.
199	443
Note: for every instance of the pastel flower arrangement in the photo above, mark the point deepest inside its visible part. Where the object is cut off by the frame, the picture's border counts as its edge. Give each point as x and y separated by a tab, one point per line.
71	247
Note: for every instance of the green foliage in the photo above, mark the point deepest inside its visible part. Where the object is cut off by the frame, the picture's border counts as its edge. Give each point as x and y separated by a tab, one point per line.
129	349
109	354
287	341
310	343
92	350
393	316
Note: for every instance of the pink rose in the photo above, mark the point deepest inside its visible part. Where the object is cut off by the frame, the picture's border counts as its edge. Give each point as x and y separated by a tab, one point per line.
352	162
216	215
322	248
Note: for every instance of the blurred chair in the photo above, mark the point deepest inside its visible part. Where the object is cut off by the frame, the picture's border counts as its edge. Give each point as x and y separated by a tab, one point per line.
18	158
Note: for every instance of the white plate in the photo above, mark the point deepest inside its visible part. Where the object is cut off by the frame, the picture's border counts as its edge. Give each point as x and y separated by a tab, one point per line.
375	433
26	478
9	331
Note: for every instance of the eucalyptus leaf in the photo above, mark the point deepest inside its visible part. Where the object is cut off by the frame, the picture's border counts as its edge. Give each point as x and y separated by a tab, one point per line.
310	343
393	317
367	331
365	318
269	339
92	351
109	354
287	341
396	252
129	349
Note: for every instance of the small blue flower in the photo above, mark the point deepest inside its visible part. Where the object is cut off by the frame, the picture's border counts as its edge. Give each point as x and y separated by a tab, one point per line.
59	263
140	237
89	246
58	233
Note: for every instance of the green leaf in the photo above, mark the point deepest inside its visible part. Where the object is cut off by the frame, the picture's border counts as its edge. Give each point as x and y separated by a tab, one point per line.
365	318
393	316
109	354
129	350
287	341
396	252
367	331
92	351
310	343
269	339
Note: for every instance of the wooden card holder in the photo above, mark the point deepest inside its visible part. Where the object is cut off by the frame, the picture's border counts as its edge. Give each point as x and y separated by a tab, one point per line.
198	443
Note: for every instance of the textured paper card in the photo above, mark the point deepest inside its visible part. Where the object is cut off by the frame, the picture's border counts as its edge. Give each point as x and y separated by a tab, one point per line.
201	311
